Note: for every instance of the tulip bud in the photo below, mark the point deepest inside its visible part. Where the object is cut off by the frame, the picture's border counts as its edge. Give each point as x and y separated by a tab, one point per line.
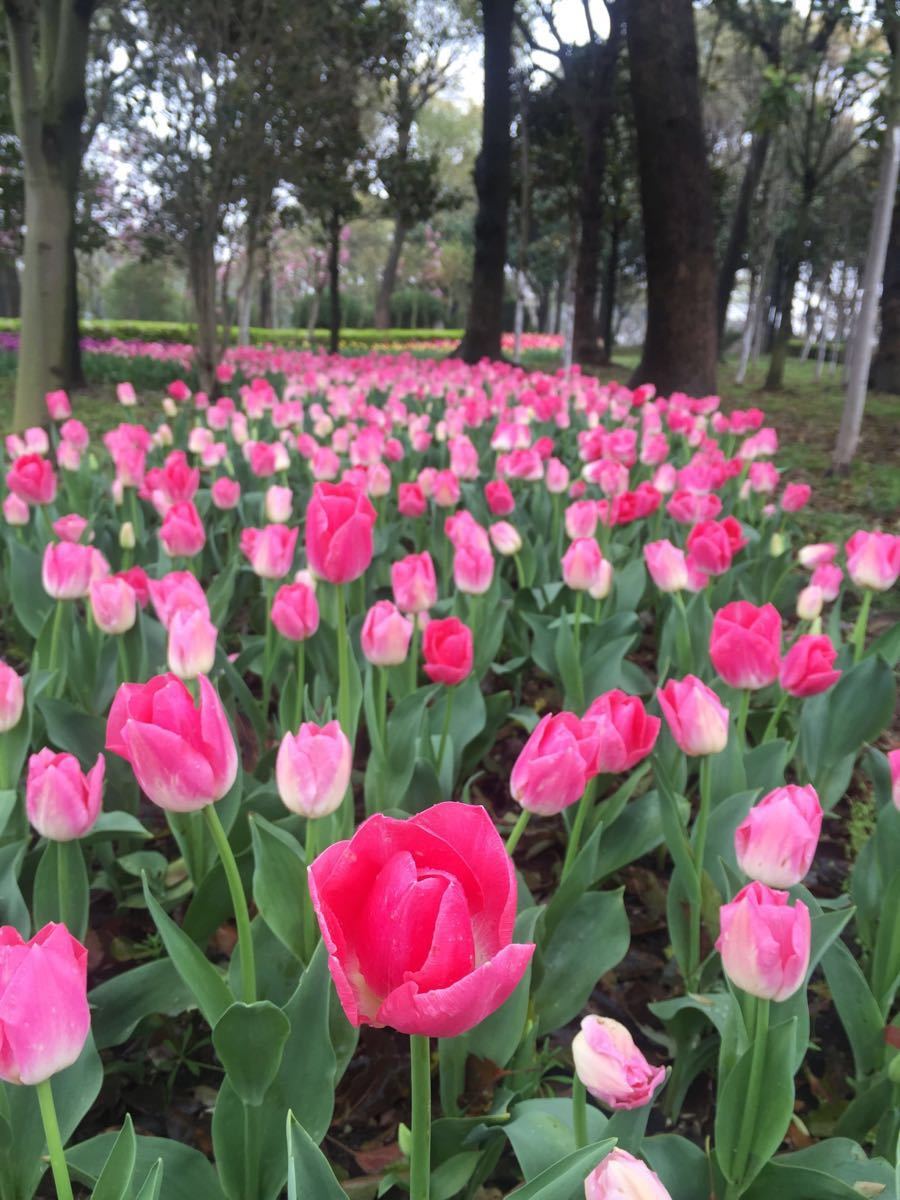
611	1066
113	604
312	769
602	585
169	407
385	635
776	841
12	697
278	504
555	764
126	536
621	1176
505	538
696	717
192	643
61	801
777	545
764	942
809	602
581	564
15	510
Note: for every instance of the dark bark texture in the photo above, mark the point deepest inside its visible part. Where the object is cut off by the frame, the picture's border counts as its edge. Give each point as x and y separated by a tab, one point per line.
885	373
733	259
680	348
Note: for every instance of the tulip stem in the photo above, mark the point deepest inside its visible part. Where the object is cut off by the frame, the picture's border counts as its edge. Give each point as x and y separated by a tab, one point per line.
268	651
309	916
520	571
301	684
517	830
55	634
772	726
445	730
420	1149
382	682
414	654
54	1141
579	1113
700	828
238	901
343	662
859	629
743	714
682	635
751	1103
585	804
122	653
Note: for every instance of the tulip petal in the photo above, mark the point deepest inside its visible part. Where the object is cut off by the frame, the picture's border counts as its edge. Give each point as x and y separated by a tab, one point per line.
169	771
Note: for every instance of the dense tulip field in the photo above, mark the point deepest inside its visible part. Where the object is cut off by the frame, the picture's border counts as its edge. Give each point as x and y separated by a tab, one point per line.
372	726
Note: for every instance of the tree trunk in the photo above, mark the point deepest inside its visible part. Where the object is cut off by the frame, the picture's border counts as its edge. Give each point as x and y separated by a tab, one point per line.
782	340
389	276
312	318
244	299
608	298
9	287
73	367
851	421
266	296
885	376
334	273
202	273
493	183
680	348
740	225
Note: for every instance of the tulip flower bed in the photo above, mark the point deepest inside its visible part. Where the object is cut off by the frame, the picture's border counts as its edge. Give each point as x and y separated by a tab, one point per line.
430	780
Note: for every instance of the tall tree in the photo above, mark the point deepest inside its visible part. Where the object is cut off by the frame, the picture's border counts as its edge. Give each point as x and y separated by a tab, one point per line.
885	375
680	345
48	51
493	184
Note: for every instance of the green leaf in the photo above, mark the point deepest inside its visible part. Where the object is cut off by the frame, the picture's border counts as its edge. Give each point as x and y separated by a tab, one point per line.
775	1108
114	1182
309	1174
30	602
61	889
541	1132
681	1165
208	987
13	909
855	711
152	1185
589	940
833	1169
279	882
857	1008
561	1181
119	1004
117	824
452	1175
249	1040
189	1175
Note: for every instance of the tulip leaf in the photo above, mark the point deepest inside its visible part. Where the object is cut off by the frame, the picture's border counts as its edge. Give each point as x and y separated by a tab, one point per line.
189	1174
856	1006
208	987
834	1169
681	1165
61	889
279	882
565	1179
309	1173
31	603
249	1040
114	1182
13	909
837	723
588	941
448	1179
151	1188
776	1105
120	1003
72	730
541	1132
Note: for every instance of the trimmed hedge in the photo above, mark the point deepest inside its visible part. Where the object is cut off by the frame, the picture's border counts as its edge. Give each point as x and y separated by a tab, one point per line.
175	331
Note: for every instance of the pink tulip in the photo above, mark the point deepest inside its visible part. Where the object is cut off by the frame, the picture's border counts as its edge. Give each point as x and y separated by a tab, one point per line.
796	496
745	644
764	942
555	764
113	604
625	731
32	479
777	840
893	757
873	559
581	564
279	501
473	569
44	1014
411	500
192	643
828	577
182	533
61	801
270	550
70	527
556	476
385	635
500	499
183	756
808	667
810	602
414	583
710	548
621	1176
312	769
611	1066
667	565
339	523
12	697
15	511
295	611
58	406
815	555
225	493
67	570
505	538
177	589
581	519
126	394
448	651
417	916
697	719
445	489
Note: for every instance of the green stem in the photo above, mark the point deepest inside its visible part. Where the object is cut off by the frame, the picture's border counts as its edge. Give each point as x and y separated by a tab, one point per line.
63	889
122	654
343	663
382	684
585	804
238	901
55	634
301	684
269	650
743	714
579	602
309	916
517	830
520	571
420	1149
859	629
753	1096
251	1150
54	1141
448	710
772	726
579	1113
682	635
414	654
700	829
